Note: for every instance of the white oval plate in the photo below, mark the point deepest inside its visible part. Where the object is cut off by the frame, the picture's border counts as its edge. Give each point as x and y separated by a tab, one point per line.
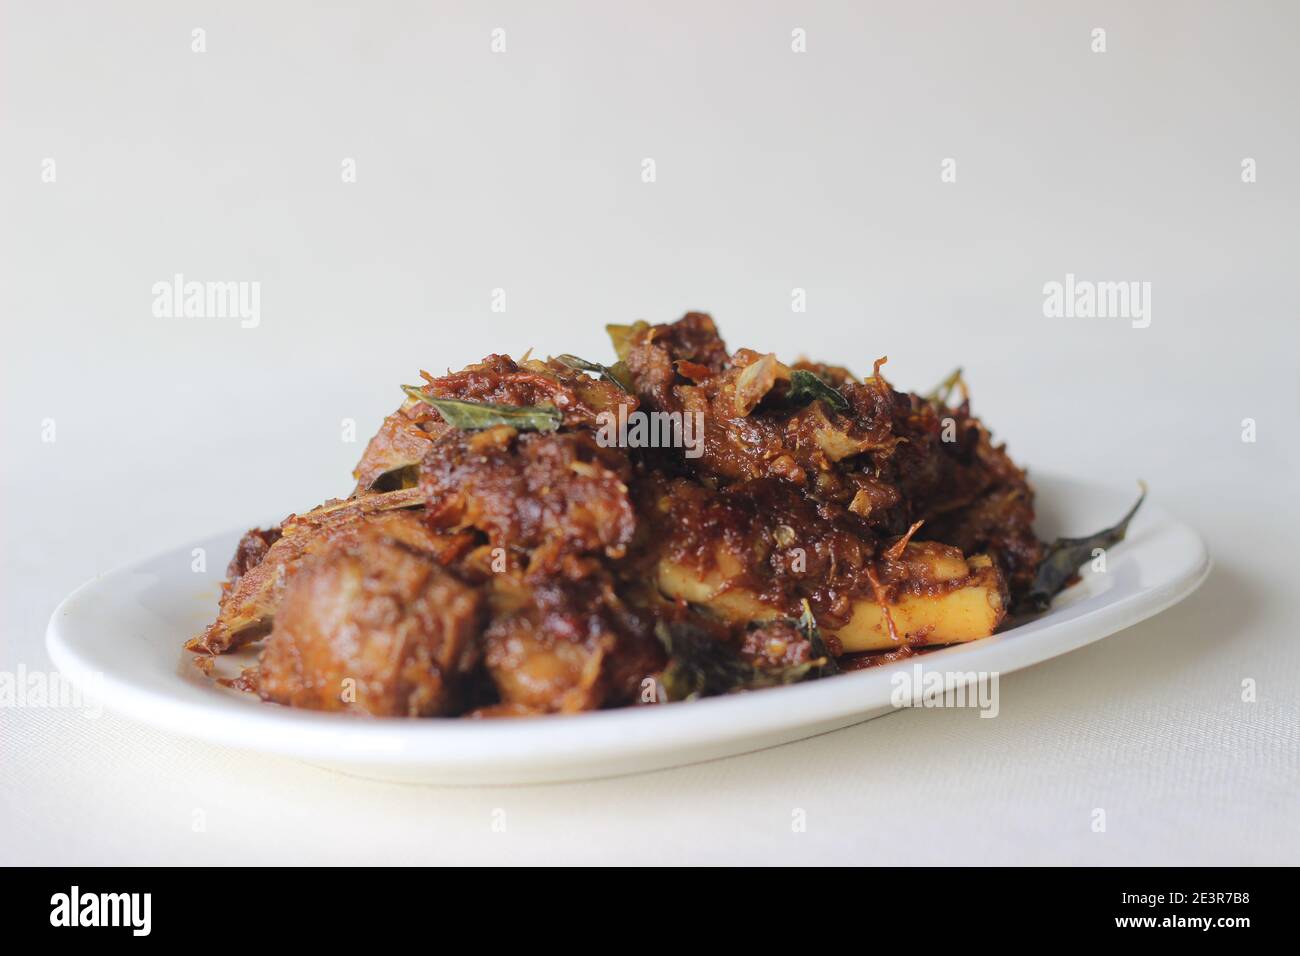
120	637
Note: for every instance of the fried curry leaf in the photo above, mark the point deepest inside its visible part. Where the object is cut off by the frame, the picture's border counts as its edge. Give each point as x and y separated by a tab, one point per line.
805	387
621	376
471	416
407	476
807	627
623	336
616	373
943	391
701	665
1066	555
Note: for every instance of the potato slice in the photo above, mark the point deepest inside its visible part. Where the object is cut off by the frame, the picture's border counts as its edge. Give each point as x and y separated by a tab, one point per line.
970	611
710	589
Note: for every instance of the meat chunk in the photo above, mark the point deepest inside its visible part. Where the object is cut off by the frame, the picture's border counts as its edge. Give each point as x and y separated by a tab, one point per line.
252	548
565	644
546	495
250	596
391	456
655	355
374	625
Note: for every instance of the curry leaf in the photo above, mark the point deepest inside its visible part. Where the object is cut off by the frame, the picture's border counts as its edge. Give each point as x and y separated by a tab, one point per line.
807	626
805	387
616	373
1066	555
702	665
943	391
699	664
471	416
622	336
405	476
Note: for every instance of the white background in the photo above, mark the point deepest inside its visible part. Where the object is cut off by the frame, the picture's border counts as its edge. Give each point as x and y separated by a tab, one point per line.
776	170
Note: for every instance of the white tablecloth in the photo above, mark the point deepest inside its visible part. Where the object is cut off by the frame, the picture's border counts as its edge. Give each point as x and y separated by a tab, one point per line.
774	170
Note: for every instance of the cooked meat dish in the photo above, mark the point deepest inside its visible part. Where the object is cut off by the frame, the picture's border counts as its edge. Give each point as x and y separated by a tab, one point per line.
552	536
